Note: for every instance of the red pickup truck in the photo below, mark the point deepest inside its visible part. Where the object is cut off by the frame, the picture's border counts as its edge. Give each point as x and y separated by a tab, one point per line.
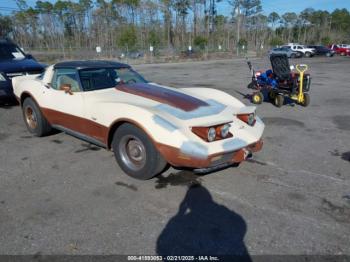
340	50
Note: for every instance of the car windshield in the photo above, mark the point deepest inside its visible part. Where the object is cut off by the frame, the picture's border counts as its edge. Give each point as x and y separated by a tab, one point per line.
103	78
10	51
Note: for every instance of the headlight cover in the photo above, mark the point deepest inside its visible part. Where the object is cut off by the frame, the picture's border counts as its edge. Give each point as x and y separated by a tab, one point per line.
247	118
213	133
225	130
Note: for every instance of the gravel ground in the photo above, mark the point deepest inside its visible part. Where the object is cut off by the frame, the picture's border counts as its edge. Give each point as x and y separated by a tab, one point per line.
59	195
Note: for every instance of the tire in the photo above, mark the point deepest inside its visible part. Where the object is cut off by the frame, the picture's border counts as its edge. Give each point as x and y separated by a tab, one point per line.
35	121
342	54
257	98
136	154
293	55
307	54
306	101
279	100
328	54
272	95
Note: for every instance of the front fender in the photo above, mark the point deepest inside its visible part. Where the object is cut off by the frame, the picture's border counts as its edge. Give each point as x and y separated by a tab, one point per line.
159	129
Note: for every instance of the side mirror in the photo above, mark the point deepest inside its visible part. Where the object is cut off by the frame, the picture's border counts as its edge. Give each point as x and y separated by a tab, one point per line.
29	56
67	88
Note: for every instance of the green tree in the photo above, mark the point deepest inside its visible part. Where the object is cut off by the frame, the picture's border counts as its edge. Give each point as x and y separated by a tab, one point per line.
181	8
276	41
341	20
326	40
128	38
5	26
200	42
289	21
273	19
154	38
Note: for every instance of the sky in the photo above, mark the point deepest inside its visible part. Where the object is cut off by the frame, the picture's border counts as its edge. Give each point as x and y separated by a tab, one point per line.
279	6
283	6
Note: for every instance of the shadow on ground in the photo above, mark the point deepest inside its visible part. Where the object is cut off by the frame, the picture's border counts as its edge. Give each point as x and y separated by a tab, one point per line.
203	227
8	103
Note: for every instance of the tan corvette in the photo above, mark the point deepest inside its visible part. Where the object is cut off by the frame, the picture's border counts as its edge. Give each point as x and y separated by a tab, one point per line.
148	126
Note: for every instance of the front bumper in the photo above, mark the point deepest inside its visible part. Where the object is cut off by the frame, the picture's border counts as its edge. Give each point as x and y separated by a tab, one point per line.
6	90
212	162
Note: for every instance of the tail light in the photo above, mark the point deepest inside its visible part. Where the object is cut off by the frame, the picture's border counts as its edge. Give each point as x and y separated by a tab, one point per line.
247	118
213	133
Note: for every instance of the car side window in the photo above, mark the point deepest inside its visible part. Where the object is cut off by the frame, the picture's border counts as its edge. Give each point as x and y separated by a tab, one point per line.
65	76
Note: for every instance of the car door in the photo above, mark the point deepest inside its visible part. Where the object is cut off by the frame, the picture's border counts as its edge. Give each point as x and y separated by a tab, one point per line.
277	51
65	108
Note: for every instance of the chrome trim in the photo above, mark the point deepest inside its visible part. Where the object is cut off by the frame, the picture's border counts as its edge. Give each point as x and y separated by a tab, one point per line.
80	136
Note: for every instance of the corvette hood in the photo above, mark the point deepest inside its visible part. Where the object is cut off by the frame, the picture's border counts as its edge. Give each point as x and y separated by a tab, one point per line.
164	95
170	103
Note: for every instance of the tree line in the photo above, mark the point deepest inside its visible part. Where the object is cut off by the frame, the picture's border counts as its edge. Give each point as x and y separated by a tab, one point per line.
167	25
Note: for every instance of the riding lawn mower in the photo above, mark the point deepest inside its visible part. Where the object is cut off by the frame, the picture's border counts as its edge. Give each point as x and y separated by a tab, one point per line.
281	82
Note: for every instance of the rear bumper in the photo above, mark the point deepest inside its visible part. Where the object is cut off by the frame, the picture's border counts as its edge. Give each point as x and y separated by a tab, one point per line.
215	161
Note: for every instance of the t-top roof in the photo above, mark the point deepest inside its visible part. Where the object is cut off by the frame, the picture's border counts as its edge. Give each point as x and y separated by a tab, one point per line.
86	64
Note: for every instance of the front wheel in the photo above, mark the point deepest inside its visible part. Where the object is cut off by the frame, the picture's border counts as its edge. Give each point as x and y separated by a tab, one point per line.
136	154
306	100
257	98
35	121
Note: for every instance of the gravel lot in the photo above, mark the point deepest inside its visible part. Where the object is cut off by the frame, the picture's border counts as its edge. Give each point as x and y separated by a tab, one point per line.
59	195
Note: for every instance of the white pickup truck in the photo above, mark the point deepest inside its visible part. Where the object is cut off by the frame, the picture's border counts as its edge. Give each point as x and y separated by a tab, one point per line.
307	52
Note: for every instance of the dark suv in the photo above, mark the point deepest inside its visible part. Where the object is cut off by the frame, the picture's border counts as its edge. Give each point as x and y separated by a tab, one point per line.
322	50
14	62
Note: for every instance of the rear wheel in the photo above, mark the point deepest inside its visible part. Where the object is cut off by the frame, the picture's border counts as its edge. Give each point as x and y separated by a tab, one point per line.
136	154
328	54
257	98
279	100
34	119
306	100
293	55
307	54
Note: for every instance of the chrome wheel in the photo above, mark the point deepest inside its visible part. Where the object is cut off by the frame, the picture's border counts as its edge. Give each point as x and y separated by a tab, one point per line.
132	152
31	117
